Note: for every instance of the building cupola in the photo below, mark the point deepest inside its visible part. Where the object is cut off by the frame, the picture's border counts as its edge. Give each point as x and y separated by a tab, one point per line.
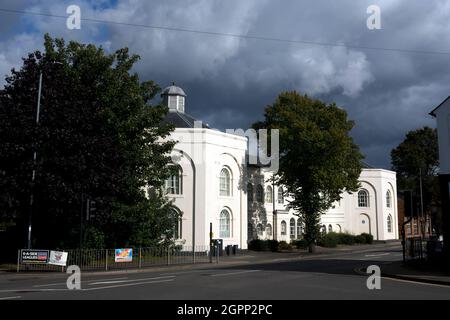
174	98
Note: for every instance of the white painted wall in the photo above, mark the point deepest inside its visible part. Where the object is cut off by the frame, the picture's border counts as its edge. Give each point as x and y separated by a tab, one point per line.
346	215
210	151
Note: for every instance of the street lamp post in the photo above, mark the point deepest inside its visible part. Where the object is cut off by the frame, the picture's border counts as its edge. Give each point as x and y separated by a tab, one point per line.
33	176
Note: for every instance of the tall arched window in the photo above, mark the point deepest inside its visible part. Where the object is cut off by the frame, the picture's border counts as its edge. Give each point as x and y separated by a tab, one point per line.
174	184
389	223
250	192
388	199
283	228
299	228
177	224
363	199
292	228
225	224
260	230
280	195
330	228
259	193
269	230
269	194
225	182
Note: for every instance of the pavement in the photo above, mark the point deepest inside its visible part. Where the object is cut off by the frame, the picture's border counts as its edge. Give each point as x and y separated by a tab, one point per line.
417	272
330	274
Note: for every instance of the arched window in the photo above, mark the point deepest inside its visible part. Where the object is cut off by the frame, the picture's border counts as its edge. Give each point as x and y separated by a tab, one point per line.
324	229
339	228
174	184
177	224
225	224
330	228
292	228
299	228
250	192
280	195
259	194
388	199
363	199
389	223
269	194
269	230
225	182
260	230
283	228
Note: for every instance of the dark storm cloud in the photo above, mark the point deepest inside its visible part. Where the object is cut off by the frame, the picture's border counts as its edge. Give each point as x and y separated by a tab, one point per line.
229	80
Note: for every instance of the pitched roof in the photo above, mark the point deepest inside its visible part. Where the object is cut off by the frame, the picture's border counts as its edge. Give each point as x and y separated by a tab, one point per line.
432	113
181	120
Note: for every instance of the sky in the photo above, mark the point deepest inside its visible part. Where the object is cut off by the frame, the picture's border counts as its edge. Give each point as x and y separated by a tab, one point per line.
230	80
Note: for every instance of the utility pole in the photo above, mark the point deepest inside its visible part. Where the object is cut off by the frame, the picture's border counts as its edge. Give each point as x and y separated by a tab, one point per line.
33	175
422	224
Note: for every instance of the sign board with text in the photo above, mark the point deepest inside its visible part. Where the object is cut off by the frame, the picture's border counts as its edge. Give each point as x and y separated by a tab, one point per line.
32	256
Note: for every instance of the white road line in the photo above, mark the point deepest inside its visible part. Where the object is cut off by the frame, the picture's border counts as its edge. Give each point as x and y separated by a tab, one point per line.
10	298
378	254
143	281
233	273
417	282
134	280
126	285
64	283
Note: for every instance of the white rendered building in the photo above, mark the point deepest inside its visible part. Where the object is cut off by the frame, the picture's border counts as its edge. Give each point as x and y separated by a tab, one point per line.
215	185
373	209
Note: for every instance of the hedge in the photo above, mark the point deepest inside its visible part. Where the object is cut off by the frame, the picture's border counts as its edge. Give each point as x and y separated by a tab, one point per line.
332	239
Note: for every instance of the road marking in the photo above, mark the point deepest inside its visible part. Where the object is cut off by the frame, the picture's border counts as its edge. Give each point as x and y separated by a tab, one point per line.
10	298
64	283
416	282
134	280
125	285
378	254
233	273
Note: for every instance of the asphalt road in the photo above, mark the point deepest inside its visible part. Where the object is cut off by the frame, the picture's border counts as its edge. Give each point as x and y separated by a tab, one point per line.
328	276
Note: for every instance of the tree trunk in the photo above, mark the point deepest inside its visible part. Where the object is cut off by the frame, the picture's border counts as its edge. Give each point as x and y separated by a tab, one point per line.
312	248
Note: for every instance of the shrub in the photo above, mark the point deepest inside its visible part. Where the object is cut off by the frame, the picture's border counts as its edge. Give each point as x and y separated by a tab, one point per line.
256	245
369	238
346	238
360	239
329	240
299	244
283	245
272	245
263	245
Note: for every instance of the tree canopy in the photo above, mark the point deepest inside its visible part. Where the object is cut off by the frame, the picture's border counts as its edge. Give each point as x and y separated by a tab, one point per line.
98	138
318	158
418	156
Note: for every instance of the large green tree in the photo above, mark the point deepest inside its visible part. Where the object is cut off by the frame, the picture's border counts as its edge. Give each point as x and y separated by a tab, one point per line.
98	138
318	158
416	157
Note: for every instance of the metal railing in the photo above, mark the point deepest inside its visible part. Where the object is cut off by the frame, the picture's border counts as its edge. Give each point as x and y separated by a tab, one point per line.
104	259
415	249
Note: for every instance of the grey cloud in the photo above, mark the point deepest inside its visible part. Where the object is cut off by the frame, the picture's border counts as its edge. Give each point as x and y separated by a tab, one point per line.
229	81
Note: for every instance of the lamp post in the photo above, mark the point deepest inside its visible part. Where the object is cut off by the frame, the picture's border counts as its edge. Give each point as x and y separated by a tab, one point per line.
33	175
